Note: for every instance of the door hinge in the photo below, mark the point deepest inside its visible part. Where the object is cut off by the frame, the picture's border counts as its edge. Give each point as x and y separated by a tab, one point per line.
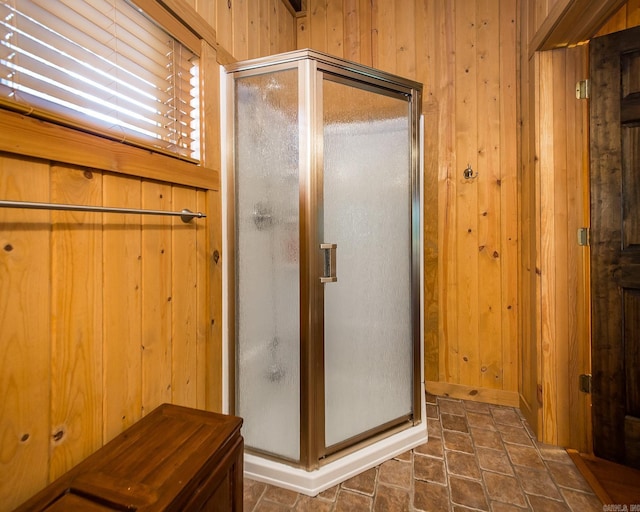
584	382
583	236
583	89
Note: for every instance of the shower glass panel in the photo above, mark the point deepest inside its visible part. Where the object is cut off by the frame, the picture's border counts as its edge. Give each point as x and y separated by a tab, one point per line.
367	214
323	178
267	271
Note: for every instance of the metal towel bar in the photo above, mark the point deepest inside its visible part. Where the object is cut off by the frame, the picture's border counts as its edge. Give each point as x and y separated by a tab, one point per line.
185	215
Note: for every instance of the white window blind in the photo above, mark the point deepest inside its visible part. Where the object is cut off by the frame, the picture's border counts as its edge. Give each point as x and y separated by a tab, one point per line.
101	66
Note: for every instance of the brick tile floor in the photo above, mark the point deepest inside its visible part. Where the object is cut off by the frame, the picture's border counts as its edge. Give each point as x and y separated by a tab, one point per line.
478	457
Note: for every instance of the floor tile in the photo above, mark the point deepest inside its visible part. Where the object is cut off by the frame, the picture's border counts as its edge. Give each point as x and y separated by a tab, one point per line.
431	399
567	475
434	429
433	447
478	457
468	493
429	469
392	499
330	493
541	504
453	422
538	482
458	441
348	501
506	416
479	420
454	407
581	501
524	456
308	504
515	435
406	456
504	488
487	438
252	493
494	460
280	496
463	464
479	407
269	506
364	482
555	453
431	497
497	506
396	473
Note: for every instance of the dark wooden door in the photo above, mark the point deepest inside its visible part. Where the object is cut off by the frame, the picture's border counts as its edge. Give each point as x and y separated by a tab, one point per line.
615	245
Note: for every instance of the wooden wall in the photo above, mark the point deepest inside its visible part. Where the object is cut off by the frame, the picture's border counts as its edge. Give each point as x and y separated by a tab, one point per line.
247	29
465	54
102	317
105	316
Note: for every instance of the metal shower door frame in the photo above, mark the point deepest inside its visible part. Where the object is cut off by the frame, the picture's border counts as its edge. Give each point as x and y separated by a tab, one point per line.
312	67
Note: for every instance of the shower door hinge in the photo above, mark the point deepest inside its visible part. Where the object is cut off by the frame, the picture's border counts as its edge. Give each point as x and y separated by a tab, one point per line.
583	89
583	236
584	383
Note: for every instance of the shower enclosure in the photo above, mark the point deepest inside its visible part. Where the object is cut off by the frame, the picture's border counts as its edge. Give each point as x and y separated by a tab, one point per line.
324	260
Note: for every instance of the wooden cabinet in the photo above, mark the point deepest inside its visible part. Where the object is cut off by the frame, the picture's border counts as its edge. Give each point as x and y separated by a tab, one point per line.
174	459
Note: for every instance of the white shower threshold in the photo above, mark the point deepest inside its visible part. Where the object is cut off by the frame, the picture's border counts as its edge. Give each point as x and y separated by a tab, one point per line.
311	483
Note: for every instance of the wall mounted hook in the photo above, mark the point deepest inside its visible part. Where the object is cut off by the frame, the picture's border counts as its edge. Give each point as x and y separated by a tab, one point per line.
468	173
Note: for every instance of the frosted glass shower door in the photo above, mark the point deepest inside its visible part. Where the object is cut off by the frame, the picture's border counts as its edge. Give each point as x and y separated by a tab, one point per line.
368	343
267	262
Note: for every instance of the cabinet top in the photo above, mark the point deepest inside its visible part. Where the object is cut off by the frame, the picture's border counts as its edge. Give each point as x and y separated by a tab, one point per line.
149	466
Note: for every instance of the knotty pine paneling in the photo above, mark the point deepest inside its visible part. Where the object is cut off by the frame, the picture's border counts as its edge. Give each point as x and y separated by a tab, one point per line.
250	28
628	16
464	53
554	269
25	325
528	271
184	303
156	295
102	316
122	306
76	318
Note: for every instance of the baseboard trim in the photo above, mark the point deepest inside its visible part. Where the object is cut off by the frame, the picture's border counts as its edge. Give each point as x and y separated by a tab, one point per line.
477	394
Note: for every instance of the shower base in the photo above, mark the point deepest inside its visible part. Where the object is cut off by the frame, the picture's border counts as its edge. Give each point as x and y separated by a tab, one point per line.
314	482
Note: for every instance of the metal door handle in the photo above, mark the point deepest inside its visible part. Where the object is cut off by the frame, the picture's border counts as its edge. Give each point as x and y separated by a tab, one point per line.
329	263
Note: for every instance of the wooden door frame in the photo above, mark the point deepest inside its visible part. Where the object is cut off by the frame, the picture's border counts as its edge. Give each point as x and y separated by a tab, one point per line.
543	361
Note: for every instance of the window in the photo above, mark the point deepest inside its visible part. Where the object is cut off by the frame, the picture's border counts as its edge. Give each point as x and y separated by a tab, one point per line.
101	66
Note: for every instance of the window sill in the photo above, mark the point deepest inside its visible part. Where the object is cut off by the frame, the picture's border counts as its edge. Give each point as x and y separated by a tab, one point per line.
35	138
